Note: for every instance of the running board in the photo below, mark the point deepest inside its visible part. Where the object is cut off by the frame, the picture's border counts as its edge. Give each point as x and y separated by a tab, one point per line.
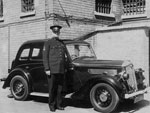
46	94
39	94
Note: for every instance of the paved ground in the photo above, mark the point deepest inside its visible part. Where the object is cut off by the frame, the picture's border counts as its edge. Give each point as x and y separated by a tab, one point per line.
40	105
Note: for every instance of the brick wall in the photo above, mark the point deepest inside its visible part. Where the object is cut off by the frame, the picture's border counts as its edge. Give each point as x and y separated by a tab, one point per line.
12	11
79	8
80	11
23	32
13	36
15	30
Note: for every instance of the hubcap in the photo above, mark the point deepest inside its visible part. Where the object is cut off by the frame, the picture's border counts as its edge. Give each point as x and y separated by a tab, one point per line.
103	97
18	88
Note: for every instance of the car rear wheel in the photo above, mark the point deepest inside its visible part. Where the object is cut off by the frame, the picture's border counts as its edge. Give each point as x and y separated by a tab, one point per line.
104	98
19	88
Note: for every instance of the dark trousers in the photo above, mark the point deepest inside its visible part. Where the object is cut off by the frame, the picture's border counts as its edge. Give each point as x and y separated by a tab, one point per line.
55	82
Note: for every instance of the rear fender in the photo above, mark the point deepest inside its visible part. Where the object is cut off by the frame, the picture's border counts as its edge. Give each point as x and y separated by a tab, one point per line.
21	72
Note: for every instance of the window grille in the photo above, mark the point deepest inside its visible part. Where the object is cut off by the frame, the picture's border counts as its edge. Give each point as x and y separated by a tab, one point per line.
131	7
1	8
27	5
134	7
103	6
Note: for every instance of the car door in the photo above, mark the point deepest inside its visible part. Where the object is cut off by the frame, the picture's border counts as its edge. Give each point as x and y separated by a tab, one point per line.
37	71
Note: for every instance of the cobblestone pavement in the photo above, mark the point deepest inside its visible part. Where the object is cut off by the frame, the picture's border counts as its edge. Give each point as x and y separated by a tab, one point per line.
40	105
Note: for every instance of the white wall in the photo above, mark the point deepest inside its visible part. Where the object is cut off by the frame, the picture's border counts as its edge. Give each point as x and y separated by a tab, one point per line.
3	52
131	44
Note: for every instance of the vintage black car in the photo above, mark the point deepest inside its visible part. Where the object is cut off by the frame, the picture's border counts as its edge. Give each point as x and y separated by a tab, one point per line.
104	82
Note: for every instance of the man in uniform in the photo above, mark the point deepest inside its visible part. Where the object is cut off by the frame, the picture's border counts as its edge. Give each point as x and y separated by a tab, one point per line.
54	63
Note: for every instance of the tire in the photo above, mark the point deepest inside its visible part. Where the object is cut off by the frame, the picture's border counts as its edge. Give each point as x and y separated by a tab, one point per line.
104	98
19	88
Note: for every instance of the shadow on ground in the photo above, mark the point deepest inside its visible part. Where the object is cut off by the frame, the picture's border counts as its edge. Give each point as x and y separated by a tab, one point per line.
127	106
77	103
38	99
66	102
130	107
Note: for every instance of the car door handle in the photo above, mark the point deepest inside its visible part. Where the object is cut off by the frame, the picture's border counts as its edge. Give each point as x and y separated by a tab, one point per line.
27	67
71	68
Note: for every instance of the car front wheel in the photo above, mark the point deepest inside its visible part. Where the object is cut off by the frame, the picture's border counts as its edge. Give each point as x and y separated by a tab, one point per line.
19	88
104	98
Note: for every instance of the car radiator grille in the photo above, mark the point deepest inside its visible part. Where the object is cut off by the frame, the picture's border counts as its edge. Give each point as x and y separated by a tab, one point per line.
132	82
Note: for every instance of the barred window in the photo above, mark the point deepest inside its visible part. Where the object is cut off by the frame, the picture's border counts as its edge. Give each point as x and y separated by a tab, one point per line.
130	7
134	7
1	8
27	5
103	6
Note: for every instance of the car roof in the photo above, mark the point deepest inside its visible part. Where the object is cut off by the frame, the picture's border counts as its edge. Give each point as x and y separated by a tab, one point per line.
66	41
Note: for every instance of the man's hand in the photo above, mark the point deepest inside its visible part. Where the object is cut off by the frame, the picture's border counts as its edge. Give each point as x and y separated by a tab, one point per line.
48	72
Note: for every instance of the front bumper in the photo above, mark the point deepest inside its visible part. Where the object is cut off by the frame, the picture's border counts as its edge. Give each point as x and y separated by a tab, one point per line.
127	96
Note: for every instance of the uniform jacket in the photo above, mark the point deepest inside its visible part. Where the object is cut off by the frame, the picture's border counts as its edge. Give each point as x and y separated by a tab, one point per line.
54	56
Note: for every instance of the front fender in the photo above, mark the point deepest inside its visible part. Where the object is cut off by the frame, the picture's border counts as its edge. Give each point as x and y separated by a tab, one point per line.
103	79
21	72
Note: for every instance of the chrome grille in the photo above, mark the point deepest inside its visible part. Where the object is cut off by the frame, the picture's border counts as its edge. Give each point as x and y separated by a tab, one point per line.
132	83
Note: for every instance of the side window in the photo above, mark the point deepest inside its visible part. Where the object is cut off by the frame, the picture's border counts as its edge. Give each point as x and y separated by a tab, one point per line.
25	54
36	53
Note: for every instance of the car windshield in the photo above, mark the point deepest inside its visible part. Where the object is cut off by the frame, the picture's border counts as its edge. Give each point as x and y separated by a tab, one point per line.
80	50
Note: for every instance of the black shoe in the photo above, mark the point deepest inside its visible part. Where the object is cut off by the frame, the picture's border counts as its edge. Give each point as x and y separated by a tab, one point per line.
52	108
60	108
10	96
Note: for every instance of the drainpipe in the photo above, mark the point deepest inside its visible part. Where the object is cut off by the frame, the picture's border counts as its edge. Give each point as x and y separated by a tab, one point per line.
8	48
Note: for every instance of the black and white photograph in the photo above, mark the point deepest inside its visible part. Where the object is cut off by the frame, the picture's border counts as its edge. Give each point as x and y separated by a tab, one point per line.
74	56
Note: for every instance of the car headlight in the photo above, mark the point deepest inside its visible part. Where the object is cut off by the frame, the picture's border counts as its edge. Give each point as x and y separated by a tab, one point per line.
124	75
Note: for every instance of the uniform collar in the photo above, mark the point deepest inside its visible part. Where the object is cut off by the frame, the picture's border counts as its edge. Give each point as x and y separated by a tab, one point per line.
56	38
